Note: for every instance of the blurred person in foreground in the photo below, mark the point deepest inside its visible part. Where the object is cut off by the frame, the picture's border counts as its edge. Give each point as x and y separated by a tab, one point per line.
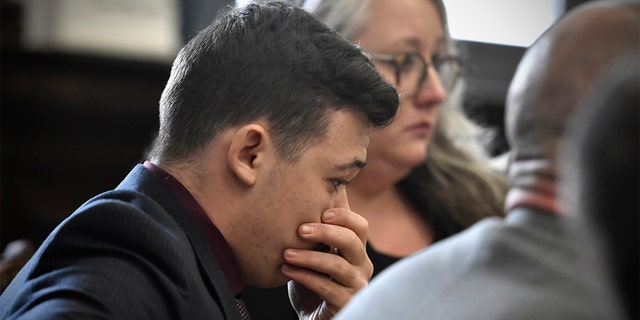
265	117
426	176
601	176
536	263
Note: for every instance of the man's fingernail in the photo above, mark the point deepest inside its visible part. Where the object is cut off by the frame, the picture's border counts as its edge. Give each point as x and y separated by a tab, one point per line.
306	229
328	215
291	253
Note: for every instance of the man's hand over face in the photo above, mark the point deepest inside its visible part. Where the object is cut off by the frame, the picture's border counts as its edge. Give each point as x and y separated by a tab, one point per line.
323	282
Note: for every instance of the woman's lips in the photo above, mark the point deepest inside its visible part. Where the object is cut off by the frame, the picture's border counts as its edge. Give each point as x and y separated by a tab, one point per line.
422	128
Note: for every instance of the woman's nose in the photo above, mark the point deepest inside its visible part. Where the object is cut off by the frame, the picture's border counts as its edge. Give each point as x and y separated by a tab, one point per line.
431	92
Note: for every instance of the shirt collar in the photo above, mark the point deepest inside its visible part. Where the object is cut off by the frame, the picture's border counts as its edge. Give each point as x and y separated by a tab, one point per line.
219	246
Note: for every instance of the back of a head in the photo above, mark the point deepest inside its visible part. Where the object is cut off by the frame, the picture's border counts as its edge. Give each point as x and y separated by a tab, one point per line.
270	61
600	171
553	77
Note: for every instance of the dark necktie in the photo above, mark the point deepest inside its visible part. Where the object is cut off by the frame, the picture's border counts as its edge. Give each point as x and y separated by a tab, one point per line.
244	313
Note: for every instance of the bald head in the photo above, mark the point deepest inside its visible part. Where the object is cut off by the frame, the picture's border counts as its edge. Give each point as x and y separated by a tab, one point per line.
554	76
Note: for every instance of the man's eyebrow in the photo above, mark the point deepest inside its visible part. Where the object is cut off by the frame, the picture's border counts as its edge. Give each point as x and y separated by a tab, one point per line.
355	164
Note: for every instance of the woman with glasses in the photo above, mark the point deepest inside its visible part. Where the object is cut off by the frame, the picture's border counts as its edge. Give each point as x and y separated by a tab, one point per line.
425	179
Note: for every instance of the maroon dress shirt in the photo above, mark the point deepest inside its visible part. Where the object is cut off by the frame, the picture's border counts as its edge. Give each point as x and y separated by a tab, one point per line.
217	243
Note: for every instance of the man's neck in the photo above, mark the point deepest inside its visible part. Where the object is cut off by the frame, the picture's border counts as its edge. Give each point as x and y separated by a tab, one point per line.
533	184
520	197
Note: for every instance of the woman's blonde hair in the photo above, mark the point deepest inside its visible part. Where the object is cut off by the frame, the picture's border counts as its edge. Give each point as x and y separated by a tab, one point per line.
456	183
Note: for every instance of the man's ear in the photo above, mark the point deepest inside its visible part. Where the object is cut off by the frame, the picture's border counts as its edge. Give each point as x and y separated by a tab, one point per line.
247	152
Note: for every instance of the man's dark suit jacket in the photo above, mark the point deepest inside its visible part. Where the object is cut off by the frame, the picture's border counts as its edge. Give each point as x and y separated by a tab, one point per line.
130	253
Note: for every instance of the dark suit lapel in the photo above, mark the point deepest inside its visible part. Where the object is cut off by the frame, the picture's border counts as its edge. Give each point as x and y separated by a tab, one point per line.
141	180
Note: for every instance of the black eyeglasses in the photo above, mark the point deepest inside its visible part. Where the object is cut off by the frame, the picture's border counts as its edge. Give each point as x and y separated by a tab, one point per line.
411	69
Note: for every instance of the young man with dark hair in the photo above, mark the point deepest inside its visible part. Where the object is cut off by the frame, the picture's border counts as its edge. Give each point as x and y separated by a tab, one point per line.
265	118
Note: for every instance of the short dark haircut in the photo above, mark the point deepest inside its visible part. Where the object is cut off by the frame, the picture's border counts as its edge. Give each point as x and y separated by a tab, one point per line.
270	61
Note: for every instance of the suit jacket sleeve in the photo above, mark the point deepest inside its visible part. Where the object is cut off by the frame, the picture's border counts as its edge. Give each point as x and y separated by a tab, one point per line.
109	260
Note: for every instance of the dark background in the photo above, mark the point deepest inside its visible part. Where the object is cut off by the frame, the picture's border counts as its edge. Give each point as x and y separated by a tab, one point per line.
73	125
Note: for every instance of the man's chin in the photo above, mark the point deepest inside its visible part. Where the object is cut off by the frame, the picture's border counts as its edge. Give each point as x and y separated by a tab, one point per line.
277	281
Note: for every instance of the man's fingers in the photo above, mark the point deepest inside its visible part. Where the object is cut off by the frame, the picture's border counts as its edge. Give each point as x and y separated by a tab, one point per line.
349	220
334	294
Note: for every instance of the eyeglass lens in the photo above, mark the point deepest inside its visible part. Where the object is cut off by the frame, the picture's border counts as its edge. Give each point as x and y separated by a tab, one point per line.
448	71
412	71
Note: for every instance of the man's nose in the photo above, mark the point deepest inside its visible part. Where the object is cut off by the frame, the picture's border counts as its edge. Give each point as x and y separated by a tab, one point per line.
342	200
